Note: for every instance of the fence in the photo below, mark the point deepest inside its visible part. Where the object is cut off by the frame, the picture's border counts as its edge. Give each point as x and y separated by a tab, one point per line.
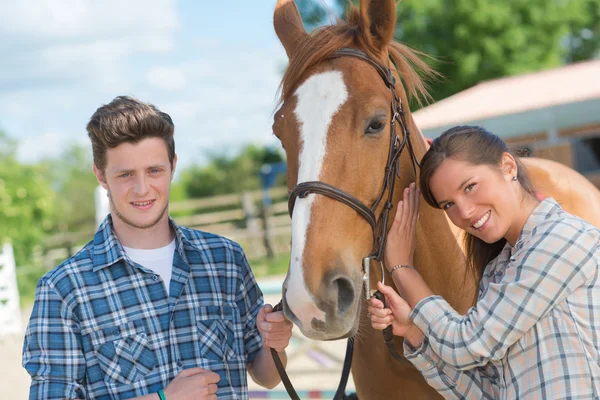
10	315
261	227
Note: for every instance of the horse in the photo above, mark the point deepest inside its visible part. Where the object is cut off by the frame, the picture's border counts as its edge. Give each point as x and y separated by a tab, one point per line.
336	122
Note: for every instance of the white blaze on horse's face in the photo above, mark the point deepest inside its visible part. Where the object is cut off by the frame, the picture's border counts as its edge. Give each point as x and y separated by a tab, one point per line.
318	99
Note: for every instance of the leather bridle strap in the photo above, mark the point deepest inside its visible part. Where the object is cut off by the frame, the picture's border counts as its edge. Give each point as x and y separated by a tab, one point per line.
305	188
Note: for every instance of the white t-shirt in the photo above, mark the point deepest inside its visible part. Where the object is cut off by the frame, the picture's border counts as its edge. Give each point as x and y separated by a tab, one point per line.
158	260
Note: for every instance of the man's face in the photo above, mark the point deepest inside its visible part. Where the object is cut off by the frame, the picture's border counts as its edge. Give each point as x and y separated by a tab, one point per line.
138	179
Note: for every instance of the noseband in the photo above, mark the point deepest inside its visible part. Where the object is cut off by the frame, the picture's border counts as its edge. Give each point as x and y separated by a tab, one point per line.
378	225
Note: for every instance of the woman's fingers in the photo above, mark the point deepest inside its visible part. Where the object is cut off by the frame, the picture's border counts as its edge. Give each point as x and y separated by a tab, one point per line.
397	218
379	312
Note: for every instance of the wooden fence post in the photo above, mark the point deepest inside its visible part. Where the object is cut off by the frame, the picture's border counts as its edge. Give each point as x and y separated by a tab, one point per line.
252	223
267	237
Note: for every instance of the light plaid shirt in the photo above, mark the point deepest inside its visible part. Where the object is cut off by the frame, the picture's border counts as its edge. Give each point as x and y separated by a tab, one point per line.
103	327
535	332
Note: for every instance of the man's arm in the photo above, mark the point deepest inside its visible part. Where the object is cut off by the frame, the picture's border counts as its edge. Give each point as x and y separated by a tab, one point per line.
262	370
275	331
52	352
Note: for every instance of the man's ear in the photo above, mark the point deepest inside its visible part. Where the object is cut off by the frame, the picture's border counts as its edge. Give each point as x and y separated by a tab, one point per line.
173	166
100	177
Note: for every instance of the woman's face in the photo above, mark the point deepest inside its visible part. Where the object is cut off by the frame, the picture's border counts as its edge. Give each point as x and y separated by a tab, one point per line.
481	199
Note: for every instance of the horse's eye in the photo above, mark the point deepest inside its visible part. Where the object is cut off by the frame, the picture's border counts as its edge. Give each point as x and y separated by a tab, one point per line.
375	127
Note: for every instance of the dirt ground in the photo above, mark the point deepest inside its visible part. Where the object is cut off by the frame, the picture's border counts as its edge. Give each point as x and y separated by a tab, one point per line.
312	366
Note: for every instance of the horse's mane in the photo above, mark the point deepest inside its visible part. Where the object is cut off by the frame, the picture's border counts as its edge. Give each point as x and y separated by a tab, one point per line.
326	40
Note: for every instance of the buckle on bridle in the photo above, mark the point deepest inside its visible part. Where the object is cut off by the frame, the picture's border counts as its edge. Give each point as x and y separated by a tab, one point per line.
366	264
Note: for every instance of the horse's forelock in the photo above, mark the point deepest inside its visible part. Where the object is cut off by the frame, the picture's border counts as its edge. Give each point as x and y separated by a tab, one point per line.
326	40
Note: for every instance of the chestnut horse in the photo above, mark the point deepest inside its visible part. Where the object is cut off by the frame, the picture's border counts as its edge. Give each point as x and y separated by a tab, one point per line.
334	124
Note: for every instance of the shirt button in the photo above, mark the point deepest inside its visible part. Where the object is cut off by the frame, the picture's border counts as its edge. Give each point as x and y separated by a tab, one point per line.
143	335
179	363
155	277
116	333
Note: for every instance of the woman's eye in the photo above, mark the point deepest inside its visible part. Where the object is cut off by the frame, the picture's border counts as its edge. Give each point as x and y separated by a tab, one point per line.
375	127
446	206
469	187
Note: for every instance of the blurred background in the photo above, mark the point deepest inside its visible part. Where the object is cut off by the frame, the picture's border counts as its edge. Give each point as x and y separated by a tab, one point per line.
529	70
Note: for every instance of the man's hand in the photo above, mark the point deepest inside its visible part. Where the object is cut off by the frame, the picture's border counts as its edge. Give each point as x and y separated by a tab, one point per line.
275	330
193	384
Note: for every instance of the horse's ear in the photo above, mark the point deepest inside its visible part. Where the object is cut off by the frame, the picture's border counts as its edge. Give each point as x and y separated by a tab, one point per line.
288	25
378	20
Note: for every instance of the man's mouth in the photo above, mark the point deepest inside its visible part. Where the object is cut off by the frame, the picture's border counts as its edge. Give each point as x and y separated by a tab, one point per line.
142	204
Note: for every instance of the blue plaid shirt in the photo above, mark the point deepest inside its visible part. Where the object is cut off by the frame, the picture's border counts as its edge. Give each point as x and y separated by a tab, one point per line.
103	327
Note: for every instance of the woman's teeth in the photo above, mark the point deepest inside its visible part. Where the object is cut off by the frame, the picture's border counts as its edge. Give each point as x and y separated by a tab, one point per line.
482	221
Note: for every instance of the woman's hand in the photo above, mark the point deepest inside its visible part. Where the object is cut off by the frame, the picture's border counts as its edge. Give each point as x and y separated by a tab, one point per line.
401	238
398	315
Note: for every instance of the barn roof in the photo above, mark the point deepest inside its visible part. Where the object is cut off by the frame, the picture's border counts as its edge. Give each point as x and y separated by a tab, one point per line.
490	100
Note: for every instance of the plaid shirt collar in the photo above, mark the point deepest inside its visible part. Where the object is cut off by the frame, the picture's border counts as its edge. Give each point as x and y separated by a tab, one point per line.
108	250
545	210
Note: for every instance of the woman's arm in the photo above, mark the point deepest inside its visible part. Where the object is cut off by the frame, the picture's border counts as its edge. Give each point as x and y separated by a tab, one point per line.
556	260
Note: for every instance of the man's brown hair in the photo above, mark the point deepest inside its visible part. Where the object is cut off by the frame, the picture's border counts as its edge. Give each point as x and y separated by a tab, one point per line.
128	120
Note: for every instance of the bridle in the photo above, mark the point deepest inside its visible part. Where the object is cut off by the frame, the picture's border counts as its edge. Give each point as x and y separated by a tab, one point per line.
378	225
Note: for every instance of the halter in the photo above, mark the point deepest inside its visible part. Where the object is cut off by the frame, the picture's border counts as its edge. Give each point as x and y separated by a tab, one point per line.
378	225
397	145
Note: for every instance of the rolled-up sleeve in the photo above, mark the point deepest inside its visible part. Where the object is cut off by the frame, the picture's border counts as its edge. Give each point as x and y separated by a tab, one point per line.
52	353
249	301
540	275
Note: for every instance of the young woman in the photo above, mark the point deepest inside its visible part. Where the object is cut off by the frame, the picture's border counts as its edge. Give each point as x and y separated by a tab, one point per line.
534	332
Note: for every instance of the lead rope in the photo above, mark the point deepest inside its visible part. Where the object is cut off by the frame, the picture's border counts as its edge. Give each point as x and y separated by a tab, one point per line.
340	393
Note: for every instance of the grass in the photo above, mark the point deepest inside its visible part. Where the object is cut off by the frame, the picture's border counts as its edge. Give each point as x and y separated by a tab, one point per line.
264	267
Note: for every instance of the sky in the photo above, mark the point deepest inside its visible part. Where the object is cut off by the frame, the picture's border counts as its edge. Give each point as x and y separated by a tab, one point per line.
214	66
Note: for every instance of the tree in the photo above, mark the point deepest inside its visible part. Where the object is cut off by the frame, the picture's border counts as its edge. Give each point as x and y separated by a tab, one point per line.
225	174
26	202
74	183
477	40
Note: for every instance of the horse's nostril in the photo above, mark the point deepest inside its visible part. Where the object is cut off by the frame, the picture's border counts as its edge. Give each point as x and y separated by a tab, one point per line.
345	292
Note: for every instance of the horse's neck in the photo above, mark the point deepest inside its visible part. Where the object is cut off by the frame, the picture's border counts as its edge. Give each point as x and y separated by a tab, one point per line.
439	256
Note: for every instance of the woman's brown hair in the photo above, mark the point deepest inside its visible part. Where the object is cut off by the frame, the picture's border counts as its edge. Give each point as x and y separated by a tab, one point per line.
477	146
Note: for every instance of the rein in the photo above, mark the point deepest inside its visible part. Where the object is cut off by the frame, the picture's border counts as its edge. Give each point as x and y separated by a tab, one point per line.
378	225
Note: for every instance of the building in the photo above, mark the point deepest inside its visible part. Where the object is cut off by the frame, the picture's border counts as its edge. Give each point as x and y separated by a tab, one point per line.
552	114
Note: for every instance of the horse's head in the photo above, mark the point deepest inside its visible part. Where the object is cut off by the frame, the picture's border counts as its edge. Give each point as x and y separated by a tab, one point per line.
334	124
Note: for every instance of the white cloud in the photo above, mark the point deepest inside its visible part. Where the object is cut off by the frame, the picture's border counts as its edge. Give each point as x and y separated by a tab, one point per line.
57	42
166	78
37	21
66	58
49	144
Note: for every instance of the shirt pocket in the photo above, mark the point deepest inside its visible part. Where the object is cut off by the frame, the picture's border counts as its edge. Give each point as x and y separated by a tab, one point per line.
216	332
124	352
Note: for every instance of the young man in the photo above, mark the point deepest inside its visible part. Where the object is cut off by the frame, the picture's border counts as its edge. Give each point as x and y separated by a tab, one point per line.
148	309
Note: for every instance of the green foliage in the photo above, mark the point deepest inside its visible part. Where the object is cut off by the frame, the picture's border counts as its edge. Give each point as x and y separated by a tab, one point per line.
74	183
477	40
27	210
226	174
